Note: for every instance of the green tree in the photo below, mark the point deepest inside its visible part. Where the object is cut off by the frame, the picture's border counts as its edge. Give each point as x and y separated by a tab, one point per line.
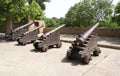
54	22
17	10
51	22
61	20
33	11
108	24
40	2
87	12
116	17
41	5
10	9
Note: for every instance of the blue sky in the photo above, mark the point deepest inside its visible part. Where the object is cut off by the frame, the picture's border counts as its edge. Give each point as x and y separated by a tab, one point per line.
58	8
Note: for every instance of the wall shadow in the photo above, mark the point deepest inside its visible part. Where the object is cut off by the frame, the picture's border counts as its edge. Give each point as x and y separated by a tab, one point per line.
111	40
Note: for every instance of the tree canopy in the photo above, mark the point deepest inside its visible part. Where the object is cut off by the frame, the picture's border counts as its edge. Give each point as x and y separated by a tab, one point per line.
11	8
40	2
87	12
116	17
20	10
82	14
54	22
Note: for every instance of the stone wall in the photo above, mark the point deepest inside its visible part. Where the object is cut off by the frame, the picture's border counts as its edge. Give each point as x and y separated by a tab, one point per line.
104	32
3	27
41	22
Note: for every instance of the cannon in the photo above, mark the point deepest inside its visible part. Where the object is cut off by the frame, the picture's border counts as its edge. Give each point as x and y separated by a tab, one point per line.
29	36
49	40
18	32
84	46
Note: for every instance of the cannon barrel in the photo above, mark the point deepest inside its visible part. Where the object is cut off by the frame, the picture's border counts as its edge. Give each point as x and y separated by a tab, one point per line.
56	29
33	29
83	37
24	26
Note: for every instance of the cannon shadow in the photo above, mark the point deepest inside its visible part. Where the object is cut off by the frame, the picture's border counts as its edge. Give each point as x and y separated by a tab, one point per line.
35	51
74	62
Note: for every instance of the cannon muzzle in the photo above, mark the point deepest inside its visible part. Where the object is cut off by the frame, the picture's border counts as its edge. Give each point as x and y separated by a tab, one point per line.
33	29
84	36
30	23
56	29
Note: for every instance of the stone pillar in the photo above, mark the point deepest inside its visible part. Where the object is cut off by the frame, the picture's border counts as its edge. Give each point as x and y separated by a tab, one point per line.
41	22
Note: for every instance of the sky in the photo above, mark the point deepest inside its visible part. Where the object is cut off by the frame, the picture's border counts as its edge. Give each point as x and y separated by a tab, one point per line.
58	8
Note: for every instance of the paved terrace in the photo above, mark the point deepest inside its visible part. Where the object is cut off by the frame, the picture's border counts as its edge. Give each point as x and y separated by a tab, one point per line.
16	60
108	42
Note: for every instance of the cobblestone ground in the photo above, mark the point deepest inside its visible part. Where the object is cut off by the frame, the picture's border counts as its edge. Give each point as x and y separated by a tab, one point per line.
18	60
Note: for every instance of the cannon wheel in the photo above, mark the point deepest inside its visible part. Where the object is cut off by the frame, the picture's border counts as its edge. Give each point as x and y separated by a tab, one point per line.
97	52
59	45
87	59
51	46
32	41
24	43
36	45
69	56
20	43
44	48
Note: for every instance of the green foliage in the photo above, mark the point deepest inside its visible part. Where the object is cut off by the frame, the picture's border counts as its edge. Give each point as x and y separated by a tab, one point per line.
54	22
116	17
34	11
51	22
108	24
15	11
40	2
87	12
19	10
2	19
117	8
61	20
11	7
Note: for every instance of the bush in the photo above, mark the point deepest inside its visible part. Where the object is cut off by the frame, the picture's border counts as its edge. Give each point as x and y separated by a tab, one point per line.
109	24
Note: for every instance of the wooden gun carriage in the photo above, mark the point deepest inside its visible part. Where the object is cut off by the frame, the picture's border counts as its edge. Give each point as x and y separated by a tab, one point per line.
18	31
84	46
49	39
29	36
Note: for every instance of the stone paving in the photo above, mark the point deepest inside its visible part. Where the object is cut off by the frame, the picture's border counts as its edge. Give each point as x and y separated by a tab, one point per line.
108	42
16	60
